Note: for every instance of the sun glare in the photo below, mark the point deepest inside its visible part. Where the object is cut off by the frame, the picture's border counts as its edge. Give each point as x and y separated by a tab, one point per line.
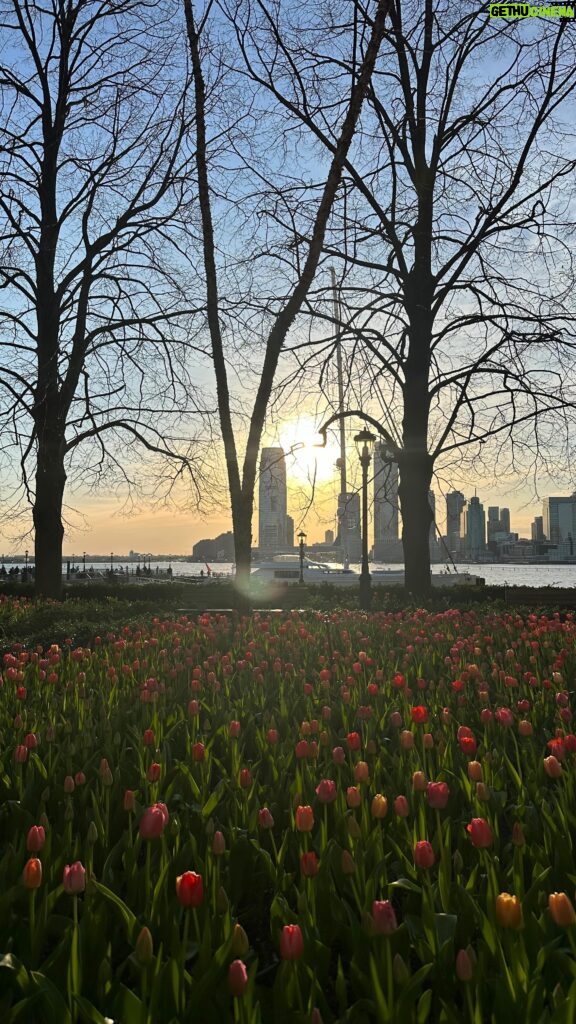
305	462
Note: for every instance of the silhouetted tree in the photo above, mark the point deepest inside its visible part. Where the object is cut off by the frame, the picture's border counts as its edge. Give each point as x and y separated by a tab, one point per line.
95	201
453	239
274	71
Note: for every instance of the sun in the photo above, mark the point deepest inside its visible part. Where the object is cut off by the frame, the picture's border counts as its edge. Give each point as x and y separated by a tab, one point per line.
306	462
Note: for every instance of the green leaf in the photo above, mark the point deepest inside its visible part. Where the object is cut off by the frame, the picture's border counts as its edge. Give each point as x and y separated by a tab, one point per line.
128	917
424	1006
215	798
88	1012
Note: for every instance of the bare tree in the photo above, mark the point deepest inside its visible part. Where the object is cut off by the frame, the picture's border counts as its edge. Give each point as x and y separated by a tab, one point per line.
96	200
277	309
453	234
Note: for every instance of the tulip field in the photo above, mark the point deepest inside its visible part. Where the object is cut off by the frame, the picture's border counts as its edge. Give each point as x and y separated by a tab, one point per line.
300	817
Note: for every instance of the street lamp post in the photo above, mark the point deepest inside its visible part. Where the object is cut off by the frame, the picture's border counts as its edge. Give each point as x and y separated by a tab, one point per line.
364	442
301	538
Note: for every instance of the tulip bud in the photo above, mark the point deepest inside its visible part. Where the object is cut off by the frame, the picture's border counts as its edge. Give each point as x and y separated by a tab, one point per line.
129	800
291	942
384	917
464	969
561	909
419	782
304	818
361	772
379	806
401	970
35	839
69	784
218	844
144	948
347	863
424	855
237	978
482	792
92	834
32	874
240	943
406	739
508	911
222	901
354	830
518	834
552	767
74	878
475	771
401	807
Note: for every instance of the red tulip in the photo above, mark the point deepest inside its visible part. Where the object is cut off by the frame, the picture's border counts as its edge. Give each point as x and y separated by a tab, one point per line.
291	942
424	854
326	791
154	772
401	806
419	714
309	864
437	794
304	818
265	819
237	978
234	729
384	917
129	800
148	738
35	839
480	833
354	741
32	874
74	878
153	821
21	754
218	844
190	889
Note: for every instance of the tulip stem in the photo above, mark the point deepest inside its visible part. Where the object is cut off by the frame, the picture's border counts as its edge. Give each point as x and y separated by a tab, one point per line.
183	961
32	918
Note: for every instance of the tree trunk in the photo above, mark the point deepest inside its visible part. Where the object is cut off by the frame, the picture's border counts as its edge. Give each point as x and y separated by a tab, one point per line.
413	487
242	509
47	516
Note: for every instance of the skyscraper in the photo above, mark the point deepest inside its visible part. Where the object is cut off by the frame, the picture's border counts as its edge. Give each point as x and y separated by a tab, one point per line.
455	502
385	501
559	515
272	501
349	537
475	525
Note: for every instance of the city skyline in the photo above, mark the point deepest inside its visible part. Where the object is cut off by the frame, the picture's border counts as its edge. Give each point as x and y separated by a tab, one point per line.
175	532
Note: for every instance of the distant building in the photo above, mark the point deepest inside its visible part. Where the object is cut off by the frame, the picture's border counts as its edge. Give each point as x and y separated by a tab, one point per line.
349	538
455	502
328	537
385	501
493	522
272	500
559	522
474	523
289	532
537	529
504	520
